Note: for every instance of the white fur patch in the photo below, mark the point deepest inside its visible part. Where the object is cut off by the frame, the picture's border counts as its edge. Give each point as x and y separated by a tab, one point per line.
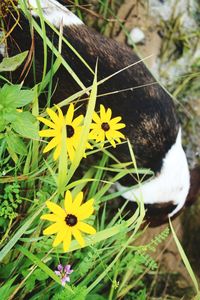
55	13
171	184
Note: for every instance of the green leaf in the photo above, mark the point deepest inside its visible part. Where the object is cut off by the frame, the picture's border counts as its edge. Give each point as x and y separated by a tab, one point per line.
40	275
11	96
7	289
24	125
6	269
30	283
12	63
15	144
9	115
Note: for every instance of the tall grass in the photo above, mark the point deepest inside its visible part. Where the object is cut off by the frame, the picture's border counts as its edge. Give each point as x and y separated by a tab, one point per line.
110	266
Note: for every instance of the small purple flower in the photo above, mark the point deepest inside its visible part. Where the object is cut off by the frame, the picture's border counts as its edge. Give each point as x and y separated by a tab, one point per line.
63	273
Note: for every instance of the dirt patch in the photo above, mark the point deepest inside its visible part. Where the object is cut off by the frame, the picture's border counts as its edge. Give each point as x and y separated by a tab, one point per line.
136	14
165	42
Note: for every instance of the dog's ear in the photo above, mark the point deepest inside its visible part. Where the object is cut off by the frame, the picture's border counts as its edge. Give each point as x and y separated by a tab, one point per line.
194	192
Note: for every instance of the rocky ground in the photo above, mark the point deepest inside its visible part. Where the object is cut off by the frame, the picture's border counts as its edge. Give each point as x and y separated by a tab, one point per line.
169	32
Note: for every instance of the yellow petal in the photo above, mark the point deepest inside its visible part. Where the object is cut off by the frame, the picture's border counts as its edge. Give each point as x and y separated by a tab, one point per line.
50	217
47	122
47	133
116	134
78	200
60	114
101	136
96	118
118	140
77	121
112	142
118	126
115	120
56	209
85	210
78	236
59	238
75	139
93	134
108	114
67	240
70	114
89	146
53	143
110	138
86	228
68	201
54	228
54	117
102	113
95	126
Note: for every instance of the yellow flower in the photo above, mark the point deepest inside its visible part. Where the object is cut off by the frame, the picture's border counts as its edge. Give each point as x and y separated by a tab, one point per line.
106	128
58	121
68	221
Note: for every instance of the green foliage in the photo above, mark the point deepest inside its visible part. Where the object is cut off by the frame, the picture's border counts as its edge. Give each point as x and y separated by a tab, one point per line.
9	64
7	288
15	123
10	201
140	295
146	258
95	296
37	275
111	266
88	261
78	293
158	239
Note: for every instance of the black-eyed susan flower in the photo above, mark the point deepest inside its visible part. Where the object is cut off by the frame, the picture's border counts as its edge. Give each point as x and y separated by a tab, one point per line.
57	123
69	221
105	128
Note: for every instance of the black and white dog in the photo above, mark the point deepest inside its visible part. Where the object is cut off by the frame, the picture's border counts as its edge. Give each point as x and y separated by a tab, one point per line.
146	108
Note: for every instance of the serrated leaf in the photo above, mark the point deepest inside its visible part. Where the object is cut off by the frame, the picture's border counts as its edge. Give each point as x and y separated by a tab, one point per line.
9	64
24	125
13	96
15	144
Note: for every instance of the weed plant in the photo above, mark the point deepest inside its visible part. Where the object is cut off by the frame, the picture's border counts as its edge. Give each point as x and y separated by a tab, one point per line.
104	265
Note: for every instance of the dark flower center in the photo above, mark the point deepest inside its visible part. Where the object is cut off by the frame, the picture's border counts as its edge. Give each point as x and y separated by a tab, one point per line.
69	131
105	126
71	220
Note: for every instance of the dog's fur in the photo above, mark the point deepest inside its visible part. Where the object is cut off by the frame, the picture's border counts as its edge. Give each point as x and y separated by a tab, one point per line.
146	108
